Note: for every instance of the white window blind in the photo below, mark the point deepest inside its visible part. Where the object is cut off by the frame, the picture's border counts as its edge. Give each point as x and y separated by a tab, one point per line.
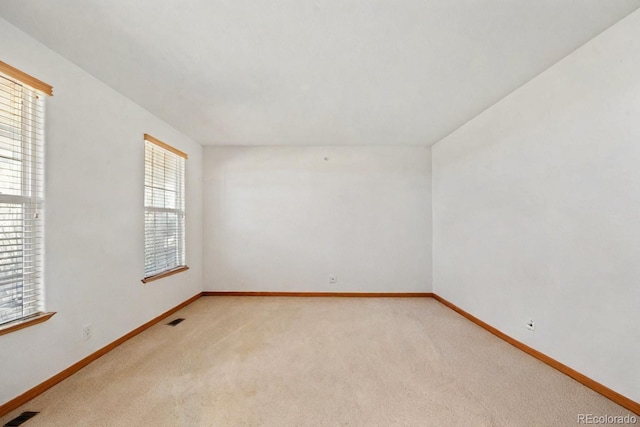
164	215
21	199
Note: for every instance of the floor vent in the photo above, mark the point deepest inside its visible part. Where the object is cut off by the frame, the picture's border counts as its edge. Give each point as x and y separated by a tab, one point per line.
175	322
22	418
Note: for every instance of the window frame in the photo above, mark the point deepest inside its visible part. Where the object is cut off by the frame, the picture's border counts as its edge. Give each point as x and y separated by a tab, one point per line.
152	143
31	191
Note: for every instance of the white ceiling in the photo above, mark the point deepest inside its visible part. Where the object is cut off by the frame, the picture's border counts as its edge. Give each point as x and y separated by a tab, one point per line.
311	72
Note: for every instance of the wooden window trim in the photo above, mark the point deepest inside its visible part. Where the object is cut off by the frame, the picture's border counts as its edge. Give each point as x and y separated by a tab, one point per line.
167	273
26	78
164	145
25	322
22	78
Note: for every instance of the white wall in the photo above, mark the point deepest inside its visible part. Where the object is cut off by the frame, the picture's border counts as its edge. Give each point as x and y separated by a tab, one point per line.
93	219
537	211
284	218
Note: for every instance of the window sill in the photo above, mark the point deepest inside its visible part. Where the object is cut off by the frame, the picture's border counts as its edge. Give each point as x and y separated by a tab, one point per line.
25	323
165	274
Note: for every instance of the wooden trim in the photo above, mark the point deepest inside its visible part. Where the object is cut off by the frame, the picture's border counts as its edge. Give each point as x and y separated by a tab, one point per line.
164	145
319	294
41	388
25	323
26	78
621	400
165	274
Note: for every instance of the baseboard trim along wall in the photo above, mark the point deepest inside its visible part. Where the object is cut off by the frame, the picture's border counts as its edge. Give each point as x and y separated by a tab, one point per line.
319	294
42	387
621	400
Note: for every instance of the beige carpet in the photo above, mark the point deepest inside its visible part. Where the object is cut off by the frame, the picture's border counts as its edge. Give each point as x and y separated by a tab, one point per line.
316	362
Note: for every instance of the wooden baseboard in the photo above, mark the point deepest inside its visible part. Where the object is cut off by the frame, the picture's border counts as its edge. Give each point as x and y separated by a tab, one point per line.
616	397
42	387
319	294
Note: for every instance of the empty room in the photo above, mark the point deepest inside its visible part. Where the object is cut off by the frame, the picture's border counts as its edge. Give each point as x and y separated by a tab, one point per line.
319	213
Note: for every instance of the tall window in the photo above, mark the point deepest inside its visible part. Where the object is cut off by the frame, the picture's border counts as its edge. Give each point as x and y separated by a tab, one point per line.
164	230
21	194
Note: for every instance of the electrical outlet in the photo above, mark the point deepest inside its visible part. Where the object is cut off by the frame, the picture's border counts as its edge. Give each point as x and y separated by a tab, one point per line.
531	325
333	278
87	332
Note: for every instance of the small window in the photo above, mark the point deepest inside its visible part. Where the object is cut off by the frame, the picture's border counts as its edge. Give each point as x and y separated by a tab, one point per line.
21	195
164	214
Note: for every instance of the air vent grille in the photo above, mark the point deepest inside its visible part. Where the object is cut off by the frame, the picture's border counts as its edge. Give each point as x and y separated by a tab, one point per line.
22	418
174	322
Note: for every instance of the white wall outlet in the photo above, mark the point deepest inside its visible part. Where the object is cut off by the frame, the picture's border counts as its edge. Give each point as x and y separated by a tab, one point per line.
531	325
333	278
87	332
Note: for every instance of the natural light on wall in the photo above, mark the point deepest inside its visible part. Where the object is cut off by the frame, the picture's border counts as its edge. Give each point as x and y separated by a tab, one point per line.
21	194
164	209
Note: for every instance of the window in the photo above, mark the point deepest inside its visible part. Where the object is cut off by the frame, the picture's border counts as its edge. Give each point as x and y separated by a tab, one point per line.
21	195
164	231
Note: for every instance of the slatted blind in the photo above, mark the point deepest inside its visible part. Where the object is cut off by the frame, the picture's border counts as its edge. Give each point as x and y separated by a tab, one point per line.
164	217
21	199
